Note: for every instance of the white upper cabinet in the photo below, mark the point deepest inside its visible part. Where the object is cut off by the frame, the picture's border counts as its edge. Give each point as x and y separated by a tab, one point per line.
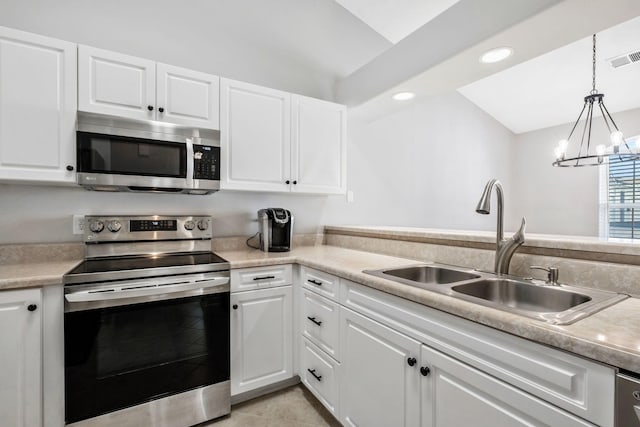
137	88
38	81
274	141
255	137
318	146
187	97
117	84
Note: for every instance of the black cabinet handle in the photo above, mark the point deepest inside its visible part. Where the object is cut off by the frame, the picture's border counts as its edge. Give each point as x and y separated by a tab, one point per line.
161	110
235	306
69	168
287	182
313	372
264	277
150	107
32	307
315	282
412	361
424	370
295	182
313	319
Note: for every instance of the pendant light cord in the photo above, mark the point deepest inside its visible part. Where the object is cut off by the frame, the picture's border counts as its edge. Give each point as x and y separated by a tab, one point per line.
593	82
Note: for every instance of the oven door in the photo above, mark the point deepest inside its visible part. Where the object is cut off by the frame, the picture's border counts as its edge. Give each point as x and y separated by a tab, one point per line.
124	355
133	163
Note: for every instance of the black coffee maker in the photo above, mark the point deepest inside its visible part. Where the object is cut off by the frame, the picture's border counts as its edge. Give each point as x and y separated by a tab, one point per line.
276	229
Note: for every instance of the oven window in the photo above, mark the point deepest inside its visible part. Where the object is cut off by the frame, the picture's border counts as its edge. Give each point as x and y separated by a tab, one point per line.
99	153
123	356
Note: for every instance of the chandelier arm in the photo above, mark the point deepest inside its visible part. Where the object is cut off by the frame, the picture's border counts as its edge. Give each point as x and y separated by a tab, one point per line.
615	126
604	116
584	132
590	125
577	121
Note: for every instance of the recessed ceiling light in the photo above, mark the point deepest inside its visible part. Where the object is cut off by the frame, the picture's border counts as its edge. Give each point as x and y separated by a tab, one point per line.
404	96
496	55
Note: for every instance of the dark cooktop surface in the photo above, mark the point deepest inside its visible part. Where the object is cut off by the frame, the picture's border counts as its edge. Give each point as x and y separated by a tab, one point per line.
112	264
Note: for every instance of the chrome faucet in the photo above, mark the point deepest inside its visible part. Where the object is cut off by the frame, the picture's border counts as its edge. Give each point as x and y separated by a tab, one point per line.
505	248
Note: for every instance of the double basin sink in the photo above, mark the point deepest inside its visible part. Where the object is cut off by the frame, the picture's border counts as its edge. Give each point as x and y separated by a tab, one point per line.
559	305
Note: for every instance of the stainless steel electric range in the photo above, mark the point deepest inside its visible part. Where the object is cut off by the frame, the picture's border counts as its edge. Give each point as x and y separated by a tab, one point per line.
147	324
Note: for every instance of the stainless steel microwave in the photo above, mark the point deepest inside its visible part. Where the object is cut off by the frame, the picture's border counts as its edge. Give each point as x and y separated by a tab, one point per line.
115	154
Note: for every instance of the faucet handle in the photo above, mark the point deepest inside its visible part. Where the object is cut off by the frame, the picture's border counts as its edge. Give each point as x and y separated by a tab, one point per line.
552	273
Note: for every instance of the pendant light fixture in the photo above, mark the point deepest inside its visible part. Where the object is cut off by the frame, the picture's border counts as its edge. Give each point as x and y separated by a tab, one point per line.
617	152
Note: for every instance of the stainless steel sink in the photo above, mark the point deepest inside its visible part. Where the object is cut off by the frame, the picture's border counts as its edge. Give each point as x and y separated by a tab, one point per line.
431	274
559	305
523	295
426	276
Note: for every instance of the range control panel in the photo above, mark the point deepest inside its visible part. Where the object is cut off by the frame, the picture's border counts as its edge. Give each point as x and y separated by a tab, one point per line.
100	228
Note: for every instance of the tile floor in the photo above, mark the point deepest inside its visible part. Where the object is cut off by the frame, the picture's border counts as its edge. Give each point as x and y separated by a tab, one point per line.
292	407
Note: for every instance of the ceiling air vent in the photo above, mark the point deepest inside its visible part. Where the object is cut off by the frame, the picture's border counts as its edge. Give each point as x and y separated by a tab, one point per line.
625	59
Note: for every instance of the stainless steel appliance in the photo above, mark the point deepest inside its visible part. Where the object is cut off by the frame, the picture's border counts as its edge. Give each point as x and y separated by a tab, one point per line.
627	400
147	324
276	229
115	154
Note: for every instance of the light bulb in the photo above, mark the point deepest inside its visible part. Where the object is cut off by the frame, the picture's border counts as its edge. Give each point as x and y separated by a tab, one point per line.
563	144
559	153
616	138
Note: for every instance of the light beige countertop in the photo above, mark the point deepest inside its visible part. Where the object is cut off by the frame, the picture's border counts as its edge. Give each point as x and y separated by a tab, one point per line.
29	275
611	336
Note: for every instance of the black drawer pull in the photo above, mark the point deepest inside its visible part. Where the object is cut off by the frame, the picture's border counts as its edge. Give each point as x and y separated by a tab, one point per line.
315	282
313	319
313	372
411	361
424	370
264	277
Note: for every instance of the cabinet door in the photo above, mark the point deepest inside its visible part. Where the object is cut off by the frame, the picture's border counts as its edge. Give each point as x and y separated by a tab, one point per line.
455	394
261	334
188	97
254	137
319	147
20	358
38	81
117	84
378	387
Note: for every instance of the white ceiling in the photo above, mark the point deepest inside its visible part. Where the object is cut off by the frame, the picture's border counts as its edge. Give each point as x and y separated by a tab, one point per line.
548	90
396	19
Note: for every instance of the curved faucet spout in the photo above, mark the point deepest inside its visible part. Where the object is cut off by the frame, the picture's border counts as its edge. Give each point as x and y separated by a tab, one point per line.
505	248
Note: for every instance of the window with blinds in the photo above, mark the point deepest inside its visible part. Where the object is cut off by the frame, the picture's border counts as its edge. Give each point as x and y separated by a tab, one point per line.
622	199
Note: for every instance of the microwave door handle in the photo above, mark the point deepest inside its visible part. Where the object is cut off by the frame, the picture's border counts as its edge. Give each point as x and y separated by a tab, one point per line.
190	160
105	295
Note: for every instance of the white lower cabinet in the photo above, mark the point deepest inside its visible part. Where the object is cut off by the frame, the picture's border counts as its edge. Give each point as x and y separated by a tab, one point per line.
21	358
455	394
320	374
261	338
380	384
399	363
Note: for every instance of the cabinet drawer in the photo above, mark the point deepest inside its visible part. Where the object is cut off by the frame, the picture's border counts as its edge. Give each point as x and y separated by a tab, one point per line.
577	385
320	318
322	283
247	279
319	374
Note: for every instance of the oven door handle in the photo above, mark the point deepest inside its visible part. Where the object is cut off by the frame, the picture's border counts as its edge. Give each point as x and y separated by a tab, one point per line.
143	291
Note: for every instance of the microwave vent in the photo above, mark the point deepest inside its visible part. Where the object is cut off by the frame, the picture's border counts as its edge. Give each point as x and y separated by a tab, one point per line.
626	59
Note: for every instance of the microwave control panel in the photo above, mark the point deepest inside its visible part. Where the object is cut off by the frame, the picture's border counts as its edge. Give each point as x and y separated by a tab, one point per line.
206	162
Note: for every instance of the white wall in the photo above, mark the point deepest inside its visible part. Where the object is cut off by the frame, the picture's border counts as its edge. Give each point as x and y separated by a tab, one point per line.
561	200
426	166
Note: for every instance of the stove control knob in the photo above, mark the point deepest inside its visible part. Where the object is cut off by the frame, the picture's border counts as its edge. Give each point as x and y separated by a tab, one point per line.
203	224
114	226
189	225
96	226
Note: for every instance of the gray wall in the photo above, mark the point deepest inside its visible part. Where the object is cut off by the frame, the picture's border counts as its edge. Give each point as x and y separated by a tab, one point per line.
561	200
